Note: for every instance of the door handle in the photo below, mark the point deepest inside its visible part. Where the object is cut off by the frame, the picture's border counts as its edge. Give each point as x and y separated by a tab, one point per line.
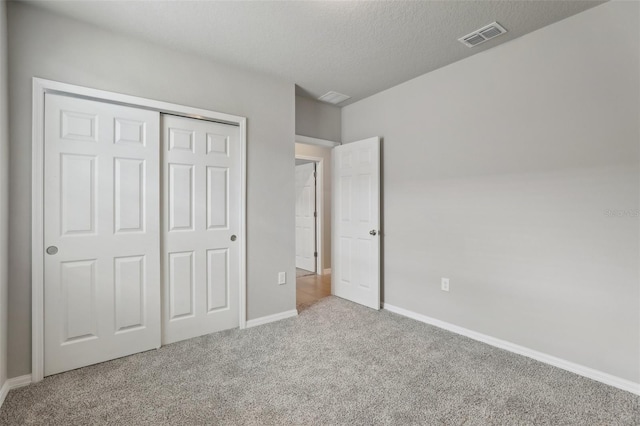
52	250
373	232
233	238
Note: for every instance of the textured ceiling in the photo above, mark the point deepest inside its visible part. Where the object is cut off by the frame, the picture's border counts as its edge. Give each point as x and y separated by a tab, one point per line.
353	47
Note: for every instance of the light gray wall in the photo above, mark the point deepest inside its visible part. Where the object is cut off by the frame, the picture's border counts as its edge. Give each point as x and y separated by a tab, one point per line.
317	119
4	190
325	154
499	171
53	47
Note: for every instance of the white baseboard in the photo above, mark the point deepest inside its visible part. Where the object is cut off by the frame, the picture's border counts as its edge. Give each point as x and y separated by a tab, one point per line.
16	382
20	381
4	390
581	370
326	271
272	318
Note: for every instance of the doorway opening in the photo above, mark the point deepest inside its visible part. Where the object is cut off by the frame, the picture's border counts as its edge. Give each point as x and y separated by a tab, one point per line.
353	260
312	224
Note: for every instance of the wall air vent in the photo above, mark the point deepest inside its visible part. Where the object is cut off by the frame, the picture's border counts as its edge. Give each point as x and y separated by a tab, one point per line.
333	98
483	34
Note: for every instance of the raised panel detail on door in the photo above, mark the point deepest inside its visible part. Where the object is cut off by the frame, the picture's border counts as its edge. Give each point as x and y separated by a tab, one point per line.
364	156
308	243
202	166
181	197
181	284
363	193
345	249
217	279
129	292
217	144
217	200
129	189
78	126
79	299
346	159
363	276
78	194
181	140
101	197
345	198
130	131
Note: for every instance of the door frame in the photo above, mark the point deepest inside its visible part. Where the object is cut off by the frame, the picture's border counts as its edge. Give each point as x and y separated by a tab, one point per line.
42	87
319	219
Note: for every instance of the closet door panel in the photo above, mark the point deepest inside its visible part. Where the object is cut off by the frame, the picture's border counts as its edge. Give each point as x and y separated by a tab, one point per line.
201	163
101	232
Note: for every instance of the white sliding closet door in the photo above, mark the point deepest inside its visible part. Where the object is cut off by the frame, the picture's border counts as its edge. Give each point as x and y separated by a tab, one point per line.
101	232
201	221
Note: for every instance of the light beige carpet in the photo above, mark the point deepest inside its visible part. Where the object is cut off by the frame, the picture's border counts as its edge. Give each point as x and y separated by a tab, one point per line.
337	363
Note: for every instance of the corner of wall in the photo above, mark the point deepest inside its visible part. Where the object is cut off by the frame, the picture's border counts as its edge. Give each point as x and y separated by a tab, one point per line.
4	192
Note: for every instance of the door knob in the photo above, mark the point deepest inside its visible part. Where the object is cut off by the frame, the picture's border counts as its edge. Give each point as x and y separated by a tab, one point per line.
233	238
52	250
373	232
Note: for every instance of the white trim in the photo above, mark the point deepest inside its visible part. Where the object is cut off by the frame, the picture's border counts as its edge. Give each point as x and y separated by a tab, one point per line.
15	383
4	390
42	86
37	231
19	382
272	318
581	370
242	234
315	141
326	271
319	190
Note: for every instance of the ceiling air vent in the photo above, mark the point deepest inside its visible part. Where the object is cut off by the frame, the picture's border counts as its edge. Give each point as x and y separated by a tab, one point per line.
333	97
483	34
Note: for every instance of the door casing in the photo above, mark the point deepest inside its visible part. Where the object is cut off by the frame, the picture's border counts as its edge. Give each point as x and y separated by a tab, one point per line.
40	87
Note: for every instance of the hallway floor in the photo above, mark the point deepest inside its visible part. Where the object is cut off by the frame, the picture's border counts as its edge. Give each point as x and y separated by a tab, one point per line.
310	289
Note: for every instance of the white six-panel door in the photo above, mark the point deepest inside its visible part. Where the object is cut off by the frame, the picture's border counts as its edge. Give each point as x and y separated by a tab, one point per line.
101	232
356	222
201	211
305	217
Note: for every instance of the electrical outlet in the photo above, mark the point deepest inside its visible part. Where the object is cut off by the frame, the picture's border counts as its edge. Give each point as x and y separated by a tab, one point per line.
444	284
282	278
